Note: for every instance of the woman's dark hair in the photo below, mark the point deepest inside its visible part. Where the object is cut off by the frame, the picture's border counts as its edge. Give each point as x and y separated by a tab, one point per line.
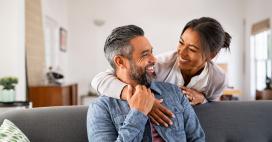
212	35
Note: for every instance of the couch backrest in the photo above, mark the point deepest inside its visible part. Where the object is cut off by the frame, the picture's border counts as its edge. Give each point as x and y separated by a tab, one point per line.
236	121
221	121
52	124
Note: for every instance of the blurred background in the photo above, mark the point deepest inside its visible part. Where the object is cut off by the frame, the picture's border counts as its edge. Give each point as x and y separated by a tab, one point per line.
69	35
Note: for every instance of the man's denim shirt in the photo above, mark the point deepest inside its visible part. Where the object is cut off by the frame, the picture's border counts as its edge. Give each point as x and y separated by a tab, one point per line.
110	119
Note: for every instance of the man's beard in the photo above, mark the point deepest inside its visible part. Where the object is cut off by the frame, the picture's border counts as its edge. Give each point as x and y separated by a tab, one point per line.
140	75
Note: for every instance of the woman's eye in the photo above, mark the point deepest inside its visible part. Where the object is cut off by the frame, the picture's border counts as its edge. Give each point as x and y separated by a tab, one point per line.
193	50
180	42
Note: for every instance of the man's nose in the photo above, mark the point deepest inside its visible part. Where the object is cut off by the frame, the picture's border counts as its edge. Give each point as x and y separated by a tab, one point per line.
153	59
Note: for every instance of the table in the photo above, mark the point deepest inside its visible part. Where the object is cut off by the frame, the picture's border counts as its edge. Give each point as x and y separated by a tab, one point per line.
7	106
230	94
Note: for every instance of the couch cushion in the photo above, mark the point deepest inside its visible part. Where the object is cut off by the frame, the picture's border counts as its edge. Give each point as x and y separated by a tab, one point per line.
232	121
236	121
52	124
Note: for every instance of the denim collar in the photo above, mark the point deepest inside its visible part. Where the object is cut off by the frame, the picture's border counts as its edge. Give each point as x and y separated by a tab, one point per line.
155	88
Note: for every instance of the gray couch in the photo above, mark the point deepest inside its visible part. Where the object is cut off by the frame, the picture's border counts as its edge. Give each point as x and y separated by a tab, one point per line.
221	121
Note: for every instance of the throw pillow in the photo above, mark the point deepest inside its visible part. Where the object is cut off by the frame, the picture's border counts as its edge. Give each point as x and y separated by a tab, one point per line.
9	132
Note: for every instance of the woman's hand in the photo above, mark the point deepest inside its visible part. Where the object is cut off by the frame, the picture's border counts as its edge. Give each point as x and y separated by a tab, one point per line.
194	96
160	115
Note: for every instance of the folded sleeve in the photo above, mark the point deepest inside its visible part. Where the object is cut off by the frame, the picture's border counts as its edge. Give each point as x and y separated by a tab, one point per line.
106	83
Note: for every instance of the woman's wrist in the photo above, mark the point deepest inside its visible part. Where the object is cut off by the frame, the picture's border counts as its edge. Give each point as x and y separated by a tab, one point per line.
124	93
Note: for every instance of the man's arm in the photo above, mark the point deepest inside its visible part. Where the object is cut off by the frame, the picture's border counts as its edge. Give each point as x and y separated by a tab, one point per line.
100	127
106	83
193	129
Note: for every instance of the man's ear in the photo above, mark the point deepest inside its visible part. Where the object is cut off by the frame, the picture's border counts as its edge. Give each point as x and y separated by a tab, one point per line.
119	61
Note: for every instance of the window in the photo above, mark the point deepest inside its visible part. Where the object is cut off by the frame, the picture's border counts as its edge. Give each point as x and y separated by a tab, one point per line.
261	43
262	54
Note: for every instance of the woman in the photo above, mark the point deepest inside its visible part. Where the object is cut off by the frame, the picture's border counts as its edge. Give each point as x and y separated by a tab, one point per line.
190	67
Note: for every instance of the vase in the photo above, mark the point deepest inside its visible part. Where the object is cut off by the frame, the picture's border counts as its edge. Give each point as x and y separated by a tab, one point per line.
7	95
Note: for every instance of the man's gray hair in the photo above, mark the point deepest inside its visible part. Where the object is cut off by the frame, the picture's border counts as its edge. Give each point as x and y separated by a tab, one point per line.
117	42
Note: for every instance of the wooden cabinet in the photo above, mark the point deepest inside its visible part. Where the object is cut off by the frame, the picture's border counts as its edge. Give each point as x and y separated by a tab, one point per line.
42	96
265	94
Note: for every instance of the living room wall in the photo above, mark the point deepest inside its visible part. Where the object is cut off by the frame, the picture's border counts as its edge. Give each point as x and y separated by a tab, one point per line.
57	11
12	43
85	56
255	11
162	22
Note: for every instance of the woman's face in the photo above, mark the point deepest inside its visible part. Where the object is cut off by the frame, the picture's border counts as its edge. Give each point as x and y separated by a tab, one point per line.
190	52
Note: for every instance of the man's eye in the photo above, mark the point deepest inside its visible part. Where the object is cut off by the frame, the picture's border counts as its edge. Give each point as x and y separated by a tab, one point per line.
144	55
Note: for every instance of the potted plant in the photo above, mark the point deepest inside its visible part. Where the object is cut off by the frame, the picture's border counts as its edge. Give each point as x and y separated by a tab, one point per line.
7	94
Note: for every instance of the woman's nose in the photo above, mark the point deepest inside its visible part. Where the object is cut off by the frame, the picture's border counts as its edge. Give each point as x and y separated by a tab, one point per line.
182	51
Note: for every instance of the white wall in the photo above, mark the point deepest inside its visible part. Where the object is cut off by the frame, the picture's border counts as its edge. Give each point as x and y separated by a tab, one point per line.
12	46
256	10
162	22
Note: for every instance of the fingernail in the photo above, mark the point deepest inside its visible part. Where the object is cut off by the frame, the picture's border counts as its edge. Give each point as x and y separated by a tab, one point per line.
165	125
171	123
173	116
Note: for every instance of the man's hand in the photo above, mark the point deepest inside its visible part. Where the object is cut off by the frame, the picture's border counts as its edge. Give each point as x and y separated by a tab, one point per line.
124	93
194	96
160	114
142	99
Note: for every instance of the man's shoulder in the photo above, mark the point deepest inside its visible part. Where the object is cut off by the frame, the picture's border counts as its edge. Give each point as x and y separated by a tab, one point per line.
165	88
163	85
105	101
171	93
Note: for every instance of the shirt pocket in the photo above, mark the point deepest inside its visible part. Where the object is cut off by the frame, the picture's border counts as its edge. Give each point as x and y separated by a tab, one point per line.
119	121
178	121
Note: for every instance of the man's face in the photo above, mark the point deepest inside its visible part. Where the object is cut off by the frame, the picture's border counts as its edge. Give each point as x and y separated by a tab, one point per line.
141	68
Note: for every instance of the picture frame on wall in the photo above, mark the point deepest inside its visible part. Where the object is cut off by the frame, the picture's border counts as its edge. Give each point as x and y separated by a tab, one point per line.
63	39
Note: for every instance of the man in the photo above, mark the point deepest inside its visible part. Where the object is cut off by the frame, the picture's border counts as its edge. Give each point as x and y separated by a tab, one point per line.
109	119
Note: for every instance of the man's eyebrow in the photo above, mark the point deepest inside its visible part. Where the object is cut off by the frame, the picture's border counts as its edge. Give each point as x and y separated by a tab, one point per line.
147	50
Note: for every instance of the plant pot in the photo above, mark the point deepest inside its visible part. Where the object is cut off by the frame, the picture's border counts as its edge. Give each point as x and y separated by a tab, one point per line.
7	95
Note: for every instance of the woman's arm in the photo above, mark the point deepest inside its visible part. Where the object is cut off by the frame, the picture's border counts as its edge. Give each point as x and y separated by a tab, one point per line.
217	83
106	83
